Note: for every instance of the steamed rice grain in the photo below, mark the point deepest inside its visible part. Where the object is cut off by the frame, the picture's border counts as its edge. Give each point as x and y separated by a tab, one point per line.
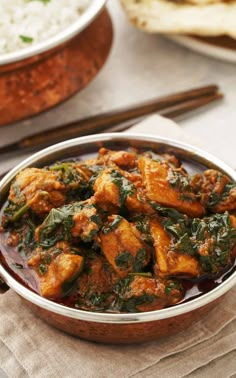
27	22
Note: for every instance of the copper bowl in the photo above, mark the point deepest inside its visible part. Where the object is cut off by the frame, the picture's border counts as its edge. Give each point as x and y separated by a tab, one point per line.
42	75
131	327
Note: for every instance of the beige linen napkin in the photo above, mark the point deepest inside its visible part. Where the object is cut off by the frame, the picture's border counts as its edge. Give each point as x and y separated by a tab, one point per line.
31	348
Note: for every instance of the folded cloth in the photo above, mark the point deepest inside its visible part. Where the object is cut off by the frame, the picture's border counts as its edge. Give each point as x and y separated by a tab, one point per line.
31	348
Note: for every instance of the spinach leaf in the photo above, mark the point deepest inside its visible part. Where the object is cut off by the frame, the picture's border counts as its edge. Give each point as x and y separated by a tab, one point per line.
29	235
59	222
206	263
167	211
95	170
178	180
96	219
174	285
143	225
141	274
213	234
124	259
112	226
19	213
215	198
126	187
77	187
42	269
56	219
98	299
139	260
123	285
185	246
131	305
217	229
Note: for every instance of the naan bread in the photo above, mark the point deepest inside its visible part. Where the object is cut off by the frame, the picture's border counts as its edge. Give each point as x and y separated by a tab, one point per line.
200	17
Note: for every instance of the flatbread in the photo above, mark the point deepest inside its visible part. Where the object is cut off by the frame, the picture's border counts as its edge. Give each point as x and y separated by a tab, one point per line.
200	17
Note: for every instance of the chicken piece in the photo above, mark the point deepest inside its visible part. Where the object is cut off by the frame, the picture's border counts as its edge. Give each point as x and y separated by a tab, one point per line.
172	159
82	169
141	227
57	268
165	157
41	257
38	189
218	192
141	293
87	222
94	289
137	203
95	284
96	278
75	175
45	189
107	192
123	159
169	262
60	275
214	241
233	220
168	187
121	247
76	178
114	191
202	247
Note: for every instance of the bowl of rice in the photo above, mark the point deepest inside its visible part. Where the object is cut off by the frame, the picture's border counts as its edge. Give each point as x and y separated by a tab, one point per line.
39	42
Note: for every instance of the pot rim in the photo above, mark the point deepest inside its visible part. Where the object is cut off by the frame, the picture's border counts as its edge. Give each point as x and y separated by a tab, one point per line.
63	36
169	312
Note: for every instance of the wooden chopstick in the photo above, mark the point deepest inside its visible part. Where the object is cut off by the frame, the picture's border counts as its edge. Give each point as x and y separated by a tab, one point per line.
171	106
172	112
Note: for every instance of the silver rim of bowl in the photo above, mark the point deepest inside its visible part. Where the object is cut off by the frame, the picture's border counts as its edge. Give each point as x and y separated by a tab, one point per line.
165	313
84	20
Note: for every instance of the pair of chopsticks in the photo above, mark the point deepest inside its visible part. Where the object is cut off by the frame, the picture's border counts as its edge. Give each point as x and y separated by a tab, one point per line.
170	106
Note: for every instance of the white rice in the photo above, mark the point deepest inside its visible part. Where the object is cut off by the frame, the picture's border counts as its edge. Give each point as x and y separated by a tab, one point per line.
27	22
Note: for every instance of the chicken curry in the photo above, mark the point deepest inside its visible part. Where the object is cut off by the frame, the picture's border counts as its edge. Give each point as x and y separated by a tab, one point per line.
126	231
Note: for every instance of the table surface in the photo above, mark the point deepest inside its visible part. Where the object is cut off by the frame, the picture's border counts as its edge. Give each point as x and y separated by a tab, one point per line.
141	67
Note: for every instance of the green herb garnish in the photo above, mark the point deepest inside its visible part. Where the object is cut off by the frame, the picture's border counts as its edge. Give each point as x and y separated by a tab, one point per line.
26	39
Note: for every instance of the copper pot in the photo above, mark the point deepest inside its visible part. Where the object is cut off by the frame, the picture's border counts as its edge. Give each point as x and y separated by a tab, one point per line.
40	76
131	327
